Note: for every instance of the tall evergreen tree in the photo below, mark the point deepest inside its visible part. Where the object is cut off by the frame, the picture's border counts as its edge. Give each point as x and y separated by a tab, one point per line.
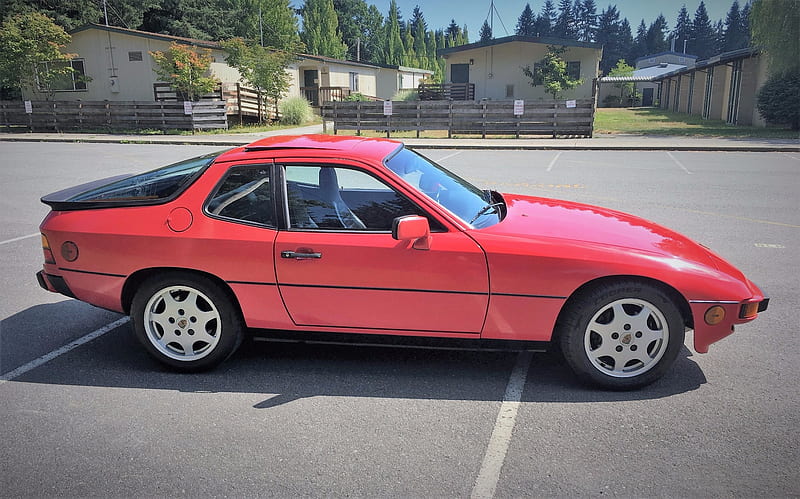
703	33
361	26
546	19
655	38
586	20
485	33
321	30
775	26
639	46
609	34
745	18
734	38
682	31
419	30
393	47
526	23
564	27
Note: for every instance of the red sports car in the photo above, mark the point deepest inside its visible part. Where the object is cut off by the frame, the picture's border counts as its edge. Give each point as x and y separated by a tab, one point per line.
336	236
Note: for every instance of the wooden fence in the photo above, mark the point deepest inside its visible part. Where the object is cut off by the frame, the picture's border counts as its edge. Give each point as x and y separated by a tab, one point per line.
551	117
110	115
446	91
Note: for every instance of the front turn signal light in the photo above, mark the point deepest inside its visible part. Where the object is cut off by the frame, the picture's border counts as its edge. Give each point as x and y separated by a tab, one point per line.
48	253
748	310
714	315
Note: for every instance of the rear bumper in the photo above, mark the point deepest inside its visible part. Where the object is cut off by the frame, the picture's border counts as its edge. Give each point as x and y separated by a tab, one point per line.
54	283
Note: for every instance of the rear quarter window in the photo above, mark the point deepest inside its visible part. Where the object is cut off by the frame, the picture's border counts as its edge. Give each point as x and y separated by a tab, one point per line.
155	185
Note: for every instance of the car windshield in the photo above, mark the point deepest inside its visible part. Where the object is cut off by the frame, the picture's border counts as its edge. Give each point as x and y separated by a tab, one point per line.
156	184
472	205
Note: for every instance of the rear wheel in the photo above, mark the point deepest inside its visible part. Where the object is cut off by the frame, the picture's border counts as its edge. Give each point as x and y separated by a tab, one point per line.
186	321
622	335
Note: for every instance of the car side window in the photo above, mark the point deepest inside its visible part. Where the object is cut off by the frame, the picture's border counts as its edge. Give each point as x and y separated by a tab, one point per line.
245	195
327	197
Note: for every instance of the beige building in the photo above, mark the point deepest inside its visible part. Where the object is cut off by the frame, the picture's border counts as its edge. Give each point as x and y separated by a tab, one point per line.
723	87
495	66
120	68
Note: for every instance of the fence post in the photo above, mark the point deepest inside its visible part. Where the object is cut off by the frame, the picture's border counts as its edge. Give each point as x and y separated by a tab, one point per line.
449	119
163	119
418	122
239	101
335	114
358	118
483	120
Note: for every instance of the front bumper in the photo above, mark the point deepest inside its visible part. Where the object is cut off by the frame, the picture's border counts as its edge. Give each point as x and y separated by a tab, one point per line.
54	283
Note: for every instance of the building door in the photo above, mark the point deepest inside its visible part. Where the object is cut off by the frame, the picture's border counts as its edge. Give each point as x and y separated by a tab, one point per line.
647	96
459	73
311	86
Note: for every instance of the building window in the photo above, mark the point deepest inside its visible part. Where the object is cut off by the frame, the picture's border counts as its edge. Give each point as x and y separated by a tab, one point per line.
509	91
135	56
574	69
69	82
353	81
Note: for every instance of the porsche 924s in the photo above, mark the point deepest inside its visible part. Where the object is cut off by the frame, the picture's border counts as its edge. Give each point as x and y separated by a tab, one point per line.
332	235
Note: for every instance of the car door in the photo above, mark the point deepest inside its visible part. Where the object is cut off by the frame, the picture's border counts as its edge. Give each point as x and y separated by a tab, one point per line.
337	264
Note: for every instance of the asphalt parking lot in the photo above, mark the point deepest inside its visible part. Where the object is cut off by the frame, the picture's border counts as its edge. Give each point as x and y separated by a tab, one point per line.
103	419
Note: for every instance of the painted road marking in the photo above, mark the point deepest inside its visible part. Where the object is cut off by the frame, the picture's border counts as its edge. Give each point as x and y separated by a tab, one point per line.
61	351
744	219
18	238
449	156
489	474
769	245
553	162
683	167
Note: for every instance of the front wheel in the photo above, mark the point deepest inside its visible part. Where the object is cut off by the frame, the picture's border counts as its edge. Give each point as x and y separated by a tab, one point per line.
186	321
621	336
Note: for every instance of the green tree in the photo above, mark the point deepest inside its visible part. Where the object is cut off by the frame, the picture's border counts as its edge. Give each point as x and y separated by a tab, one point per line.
703	35
393	48
30	53
185	69
546	19
361	26
564	26
734	35
526	23
551	72
682	31
627	90
586	20
485	34
68	14
775	26
655	40
260	67
321	30
419	30
778	100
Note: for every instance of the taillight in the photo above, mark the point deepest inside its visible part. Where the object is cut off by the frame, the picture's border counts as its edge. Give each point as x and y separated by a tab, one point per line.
48	253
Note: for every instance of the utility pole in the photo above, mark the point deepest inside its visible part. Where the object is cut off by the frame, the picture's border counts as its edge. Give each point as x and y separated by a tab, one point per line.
105	11
260	26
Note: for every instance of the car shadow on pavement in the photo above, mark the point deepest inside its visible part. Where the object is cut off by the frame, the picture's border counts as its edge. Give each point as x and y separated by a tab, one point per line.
286	372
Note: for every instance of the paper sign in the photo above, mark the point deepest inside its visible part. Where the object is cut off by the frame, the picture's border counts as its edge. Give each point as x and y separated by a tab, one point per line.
519	107
28	107
187	107
387	108
571	103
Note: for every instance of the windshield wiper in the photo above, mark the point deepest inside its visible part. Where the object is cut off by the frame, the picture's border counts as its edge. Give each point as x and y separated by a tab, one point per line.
485	210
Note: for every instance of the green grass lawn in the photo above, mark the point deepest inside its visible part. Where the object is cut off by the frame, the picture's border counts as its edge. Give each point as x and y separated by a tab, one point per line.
654	121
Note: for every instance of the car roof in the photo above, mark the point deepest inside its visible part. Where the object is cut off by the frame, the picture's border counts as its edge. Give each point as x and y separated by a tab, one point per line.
313	145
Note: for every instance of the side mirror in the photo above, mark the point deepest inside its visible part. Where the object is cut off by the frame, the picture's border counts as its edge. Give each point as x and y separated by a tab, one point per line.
413	228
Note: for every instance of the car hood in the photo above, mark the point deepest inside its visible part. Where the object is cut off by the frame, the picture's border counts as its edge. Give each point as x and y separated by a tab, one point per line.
544	218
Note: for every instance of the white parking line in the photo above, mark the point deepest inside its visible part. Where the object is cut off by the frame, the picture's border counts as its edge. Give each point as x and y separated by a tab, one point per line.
492	464
18	238
449	156
683	167
553	162
61	351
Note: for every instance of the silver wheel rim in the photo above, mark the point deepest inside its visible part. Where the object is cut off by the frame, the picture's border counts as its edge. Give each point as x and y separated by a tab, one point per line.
626	338
182	323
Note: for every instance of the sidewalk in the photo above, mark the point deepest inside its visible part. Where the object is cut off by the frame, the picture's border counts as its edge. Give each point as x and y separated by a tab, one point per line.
598	142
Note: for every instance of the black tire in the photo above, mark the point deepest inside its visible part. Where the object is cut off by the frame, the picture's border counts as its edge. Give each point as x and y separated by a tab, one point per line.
186	321
621	335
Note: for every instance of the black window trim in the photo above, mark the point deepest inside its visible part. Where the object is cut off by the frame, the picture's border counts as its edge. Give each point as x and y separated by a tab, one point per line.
285	224
275	206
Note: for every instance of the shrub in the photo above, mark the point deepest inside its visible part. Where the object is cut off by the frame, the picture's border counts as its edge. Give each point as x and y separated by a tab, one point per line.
355	97
295	111
612	101
406	95
779	99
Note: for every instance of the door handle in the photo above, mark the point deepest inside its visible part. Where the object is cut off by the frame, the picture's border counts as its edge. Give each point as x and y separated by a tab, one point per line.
300	255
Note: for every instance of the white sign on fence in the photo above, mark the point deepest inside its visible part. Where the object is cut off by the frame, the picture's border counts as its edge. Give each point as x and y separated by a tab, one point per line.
387	108
571	103
28	107
519	107
187	107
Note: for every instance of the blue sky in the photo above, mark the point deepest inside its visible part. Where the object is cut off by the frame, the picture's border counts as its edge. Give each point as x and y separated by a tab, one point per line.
473	12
